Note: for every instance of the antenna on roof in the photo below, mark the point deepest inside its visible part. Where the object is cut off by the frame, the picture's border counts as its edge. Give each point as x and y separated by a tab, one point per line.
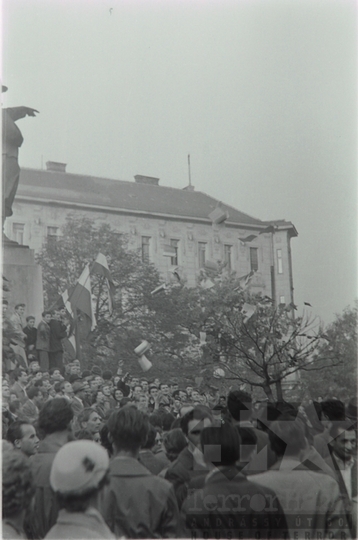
189	170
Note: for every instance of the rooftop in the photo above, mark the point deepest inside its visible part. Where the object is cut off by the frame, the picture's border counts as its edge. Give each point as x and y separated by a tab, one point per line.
56	187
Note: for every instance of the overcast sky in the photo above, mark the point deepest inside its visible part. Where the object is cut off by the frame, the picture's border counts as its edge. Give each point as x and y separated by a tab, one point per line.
261	93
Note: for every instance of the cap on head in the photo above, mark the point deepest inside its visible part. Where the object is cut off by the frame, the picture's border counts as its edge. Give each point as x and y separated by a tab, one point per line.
78	467
78	386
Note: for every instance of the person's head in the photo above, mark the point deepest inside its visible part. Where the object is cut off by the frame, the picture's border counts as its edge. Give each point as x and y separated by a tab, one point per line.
177	404
5	305
23	436
142	403
21	376
46	316
34	367
128	429
93	385
36	395
137	391
239	405
193	423
79	389
56	315
144	384
20	309
174	387
287	437
99	397
62	312
78	473
167	420
195	395
153	391
73	369
344	439
220	445
118	394
6	396
98	380
90	420
134	382
30	320
174	442
67	388
222	401
183	396
17	484
156	419
106	389
189	390
77	363
116	380
151	436
333	410
164	388
55	416
55	374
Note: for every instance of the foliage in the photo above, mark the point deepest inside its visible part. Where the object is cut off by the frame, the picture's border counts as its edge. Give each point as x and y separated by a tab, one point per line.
257	344
339	381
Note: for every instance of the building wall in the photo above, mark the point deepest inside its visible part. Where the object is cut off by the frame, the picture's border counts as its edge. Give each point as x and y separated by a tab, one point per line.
37	219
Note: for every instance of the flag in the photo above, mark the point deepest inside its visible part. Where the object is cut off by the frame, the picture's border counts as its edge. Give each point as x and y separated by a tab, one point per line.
249	238
81	297
244	281
67	303
248	310
159	289
100	267
307	304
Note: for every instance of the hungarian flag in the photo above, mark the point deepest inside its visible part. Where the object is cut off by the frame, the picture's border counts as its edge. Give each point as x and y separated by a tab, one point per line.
81	297
100	267
244	281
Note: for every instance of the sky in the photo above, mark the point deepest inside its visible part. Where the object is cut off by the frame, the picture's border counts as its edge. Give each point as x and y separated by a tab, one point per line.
261	93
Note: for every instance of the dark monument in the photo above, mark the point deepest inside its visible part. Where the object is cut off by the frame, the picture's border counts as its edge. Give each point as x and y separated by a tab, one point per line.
12	139
19	266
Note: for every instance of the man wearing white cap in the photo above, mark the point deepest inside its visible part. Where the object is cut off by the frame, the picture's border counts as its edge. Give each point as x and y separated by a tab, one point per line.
78	474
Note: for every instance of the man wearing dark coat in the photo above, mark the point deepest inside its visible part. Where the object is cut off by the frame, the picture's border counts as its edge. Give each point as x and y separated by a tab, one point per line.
58	332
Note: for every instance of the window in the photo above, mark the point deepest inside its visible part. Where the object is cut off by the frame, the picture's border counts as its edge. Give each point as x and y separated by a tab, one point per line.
282	300
174	259
18	232
254	259
227	256
279	261
145	248
202	250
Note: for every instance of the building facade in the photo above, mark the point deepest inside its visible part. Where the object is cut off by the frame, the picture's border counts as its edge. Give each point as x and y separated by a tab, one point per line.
173	228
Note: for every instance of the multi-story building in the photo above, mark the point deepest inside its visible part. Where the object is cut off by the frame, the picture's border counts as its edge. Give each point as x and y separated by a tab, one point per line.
171	227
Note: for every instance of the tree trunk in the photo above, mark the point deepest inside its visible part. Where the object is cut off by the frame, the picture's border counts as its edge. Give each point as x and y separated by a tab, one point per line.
268	392
279	391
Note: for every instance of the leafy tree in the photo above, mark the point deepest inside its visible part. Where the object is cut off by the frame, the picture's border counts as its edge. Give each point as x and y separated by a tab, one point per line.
340	380
254	342
137	314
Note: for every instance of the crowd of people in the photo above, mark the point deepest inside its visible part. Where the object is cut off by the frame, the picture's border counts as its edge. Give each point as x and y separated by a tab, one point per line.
95	454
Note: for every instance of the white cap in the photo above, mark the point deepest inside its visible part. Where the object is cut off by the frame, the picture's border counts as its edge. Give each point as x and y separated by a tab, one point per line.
78	467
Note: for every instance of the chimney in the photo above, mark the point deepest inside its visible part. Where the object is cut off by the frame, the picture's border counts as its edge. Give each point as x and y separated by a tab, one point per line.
55	166
151	180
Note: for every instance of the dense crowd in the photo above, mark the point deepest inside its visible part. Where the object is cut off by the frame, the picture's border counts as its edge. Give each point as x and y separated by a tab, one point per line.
96	454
